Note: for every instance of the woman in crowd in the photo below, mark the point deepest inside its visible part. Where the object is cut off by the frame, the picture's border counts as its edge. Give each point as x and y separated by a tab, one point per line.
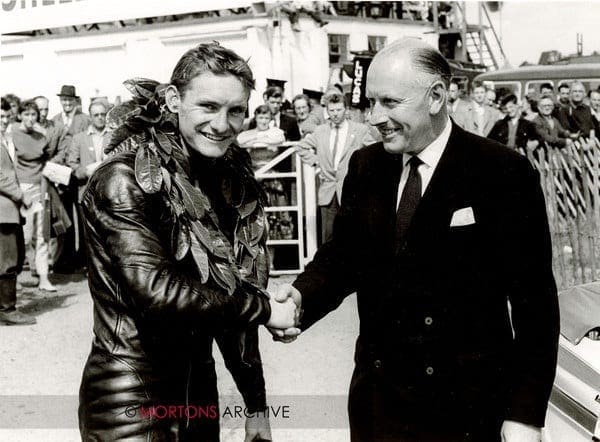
263	141
32	150
175	235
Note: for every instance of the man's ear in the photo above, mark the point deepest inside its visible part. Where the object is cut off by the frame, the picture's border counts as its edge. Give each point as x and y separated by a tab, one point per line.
437	97
172	98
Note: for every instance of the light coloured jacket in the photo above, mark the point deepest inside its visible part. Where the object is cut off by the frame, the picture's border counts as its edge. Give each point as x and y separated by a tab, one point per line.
314	150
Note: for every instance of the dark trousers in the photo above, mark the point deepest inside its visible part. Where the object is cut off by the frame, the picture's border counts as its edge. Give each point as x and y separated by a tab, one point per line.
12	252
328	213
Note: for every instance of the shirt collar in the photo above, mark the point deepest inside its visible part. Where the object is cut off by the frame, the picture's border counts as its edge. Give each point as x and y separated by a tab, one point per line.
92	131
342	125
433	152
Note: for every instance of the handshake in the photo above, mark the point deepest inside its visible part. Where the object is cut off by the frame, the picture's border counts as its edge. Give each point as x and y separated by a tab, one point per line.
285	314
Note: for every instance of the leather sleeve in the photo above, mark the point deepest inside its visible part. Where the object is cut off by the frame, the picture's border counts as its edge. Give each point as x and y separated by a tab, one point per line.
245	366
122	222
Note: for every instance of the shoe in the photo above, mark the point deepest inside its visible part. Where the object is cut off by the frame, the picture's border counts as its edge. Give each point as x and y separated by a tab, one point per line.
15	317
47	287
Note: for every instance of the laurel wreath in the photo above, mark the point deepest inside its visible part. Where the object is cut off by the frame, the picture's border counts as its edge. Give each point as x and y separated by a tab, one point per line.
145	125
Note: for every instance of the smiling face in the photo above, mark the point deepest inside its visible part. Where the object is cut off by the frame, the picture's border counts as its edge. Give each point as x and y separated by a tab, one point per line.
546	106
262	121
68	103
401	110
211	111
511	109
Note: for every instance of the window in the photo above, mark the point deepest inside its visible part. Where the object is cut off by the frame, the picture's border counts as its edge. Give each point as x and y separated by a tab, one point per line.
376	42
338	48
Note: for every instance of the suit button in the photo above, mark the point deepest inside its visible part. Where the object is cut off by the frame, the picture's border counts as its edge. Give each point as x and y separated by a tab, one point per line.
428	320
377	364
429	370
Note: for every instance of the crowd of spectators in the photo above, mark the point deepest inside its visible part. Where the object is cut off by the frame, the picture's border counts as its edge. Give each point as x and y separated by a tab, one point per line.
536	121
45	164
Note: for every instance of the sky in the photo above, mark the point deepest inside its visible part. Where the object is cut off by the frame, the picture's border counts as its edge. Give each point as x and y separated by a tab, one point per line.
530	27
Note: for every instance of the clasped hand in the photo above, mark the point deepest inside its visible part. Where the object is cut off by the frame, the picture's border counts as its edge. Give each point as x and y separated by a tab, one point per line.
285	314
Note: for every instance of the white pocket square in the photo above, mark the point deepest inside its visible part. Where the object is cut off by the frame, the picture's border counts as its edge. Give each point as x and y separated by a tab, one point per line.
462	217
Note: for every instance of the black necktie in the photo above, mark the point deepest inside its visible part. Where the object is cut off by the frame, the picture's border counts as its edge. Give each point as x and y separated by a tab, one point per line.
408	201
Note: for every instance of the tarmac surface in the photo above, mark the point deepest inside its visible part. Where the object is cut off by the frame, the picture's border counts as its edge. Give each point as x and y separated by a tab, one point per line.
41	365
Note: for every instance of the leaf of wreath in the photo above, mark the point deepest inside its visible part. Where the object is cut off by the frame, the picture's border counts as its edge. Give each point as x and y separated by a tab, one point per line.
182	241
201	258
223	275
194	201
147	169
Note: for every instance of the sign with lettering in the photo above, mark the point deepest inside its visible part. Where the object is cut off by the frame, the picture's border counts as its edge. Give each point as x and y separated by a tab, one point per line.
31	15
359	83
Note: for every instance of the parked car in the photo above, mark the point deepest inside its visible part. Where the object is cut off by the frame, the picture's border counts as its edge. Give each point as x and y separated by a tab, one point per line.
574	409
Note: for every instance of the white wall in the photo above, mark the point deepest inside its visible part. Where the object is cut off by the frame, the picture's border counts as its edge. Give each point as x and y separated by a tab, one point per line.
98	63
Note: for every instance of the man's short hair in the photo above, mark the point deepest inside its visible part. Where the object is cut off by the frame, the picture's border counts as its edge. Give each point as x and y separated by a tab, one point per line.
476	84
5	105
456	82
334	98
39	97
431	61
593	91
546	86
301	97
263	109
578	83
210	57
273	91
563	85
510	98
546	97
28	105
96	103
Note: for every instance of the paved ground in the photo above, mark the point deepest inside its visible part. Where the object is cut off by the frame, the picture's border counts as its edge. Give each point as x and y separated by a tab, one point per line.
41	365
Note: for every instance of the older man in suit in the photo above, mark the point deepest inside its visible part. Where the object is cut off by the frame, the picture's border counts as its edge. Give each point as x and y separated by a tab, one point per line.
12	248
439	229
87	148
71	118
329	148
67	124
476	116
549	128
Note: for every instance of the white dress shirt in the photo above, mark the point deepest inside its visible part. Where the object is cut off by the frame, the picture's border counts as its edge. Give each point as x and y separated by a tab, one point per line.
430	156
342	135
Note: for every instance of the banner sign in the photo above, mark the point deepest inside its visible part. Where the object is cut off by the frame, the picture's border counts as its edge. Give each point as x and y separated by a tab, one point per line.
359	83
31	15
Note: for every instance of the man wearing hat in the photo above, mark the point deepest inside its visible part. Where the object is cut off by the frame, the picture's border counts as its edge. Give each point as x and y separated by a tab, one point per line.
68	123
71	118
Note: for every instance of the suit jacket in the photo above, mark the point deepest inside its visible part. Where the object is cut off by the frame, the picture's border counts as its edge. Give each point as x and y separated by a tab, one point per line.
466	117
63	135
80	154
555	136
314	150
435	330
287	124
525	132
11	195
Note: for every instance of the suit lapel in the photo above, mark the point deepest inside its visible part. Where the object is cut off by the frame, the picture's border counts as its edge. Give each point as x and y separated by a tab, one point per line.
350	138
445	189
